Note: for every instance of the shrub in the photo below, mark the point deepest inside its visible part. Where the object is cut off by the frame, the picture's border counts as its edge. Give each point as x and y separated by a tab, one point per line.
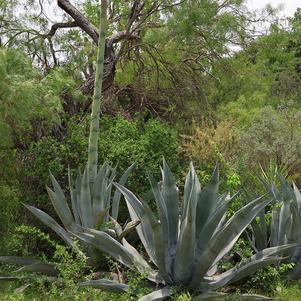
121	141
125	141
9	210
28	241
273	136
211	144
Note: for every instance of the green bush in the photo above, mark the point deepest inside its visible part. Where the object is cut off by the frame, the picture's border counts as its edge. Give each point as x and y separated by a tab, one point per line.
9	211
121	141
211	144
273	136
28	241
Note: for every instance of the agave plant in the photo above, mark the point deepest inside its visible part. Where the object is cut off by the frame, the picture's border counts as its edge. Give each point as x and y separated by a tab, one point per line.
285	223
91	206
91	203
185	244
90	193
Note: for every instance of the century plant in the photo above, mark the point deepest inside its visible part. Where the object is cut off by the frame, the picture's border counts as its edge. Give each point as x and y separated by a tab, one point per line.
90	194
91	204
284	224
185	243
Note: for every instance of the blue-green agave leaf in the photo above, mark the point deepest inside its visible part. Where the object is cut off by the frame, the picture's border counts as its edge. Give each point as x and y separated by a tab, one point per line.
87	216
106	285
117	194
51	223
40	267
207	201
158	295
171	199
223	241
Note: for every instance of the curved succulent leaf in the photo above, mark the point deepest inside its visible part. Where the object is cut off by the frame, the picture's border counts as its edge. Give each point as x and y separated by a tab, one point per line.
51	223
186	243
217	295
17	260
62	209
9	278
211	226
294	231
142	266
117	194
105	243
284	223
158	295
40	267
158	239
187	190
60	205
171	199
137	212
86	202
107	285
251	297
259	260
209	295
163	217
223	241
207	201
130	227
138	261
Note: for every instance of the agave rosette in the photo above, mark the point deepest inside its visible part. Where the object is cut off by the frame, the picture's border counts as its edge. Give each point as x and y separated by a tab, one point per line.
186	244
285	224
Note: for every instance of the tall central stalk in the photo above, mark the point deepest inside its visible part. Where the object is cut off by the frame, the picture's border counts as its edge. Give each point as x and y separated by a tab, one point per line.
97	97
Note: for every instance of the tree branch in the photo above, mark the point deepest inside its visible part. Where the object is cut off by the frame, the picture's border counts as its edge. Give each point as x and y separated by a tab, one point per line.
118	36
80	19
56	26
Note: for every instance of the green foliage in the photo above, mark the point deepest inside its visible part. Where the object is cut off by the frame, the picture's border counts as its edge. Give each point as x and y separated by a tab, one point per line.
266	280
121	141
249	98
9	210
28	241
126	141
273	136
208	145
25	96
71	266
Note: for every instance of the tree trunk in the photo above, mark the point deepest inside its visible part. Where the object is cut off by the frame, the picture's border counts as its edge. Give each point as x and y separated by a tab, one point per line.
110	60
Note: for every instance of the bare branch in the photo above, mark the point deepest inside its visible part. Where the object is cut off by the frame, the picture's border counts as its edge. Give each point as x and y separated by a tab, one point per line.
121	35
80	19
57	26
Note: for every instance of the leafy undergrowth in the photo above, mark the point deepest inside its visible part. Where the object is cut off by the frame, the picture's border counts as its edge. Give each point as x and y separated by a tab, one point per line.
8	292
